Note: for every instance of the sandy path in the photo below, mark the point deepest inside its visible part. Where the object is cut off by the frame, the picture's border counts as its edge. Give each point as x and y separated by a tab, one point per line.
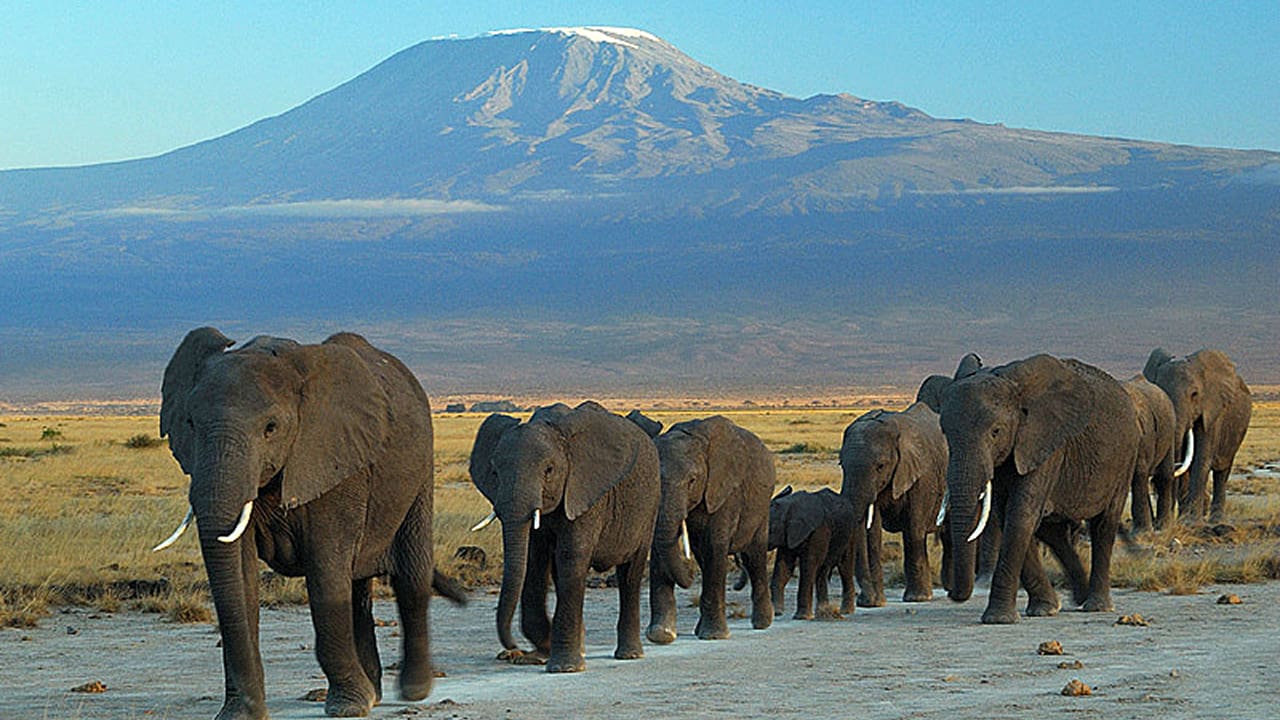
933	660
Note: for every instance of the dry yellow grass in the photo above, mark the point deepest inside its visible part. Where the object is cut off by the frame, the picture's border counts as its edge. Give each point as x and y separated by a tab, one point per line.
77	525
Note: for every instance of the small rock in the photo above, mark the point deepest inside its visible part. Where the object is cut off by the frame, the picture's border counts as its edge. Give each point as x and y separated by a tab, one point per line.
90	687
317	695
1174	673
1135	620
1230	599
1073	665
438	674
1050	647
1075	688
25	638
72	631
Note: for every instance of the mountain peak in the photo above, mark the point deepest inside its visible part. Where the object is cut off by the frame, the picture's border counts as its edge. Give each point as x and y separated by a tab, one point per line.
598	34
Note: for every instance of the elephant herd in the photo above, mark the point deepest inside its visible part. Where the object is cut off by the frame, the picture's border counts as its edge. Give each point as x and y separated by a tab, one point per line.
318	460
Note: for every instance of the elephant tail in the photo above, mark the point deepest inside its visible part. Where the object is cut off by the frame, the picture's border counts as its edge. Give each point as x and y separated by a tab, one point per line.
449	588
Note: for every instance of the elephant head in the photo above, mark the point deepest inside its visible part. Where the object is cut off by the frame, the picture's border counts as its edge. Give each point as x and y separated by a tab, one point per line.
930	392
881	452
273	423
700	462
1021	414
1201	387
559	459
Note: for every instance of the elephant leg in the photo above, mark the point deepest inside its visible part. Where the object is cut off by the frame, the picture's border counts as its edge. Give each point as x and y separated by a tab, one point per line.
1166	495
1102	539
915	565
712	624
411	582
1016	540
804	596
1042	599
872	593
848	592
783	567
988	550
662	609
1218	506
351	693
365	636
1058	536
1191	506
534	622
822	585
948	558
630	578
1140	507
756	561
567	632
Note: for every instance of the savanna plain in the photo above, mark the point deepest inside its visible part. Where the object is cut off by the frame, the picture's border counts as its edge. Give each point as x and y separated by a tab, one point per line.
93	624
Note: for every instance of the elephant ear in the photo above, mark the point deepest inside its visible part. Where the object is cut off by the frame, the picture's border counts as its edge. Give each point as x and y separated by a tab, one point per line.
343	420
930	392
603	449
969	364
727	456
1055	403
180	376
487	438
1155	360
912	463
803	516
651	427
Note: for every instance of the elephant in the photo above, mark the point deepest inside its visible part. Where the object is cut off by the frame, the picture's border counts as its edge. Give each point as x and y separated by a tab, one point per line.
1155	464
318	460
576	489
1211	406
894	466
716	482
1046	442
815	529
651	427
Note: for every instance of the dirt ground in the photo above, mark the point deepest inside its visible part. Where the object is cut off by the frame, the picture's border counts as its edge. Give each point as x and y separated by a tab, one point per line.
1197	658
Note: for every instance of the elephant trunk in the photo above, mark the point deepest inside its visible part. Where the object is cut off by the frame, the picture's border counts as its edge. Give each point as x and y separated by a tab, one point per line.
235	599
668	562
515	556
964	485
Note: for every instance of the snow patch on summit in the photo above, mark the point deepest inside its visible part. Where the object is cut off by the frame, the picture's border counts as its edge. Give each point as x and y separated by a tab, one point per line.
598	34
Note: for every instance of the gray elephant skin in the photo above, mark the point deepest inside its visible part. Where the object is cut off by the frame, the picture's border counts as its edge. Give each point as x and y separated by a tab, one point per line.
1047	442
894	467
324	453
1211	401
575	490
716	481
1155	466
813	530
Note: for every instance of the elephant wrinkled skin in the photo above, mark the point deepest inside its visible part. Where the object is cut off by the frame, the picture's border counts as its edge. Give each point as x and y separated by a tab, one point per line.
324	453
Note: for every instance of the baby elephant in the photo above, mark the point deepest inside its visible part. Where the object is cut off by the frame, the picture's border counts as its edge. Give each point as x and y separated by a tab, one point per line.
815	529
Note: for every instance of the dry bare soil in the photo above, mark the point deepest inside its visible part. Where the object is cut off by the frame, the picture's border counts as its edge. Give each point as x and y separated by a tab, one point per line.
1196	658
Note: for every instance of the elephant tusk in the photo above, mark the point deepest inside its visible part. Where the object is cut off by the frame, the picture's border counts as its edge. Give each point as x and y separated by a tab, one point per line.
942	511
684	539
986	513
176	533
238	530
1186	460
537	518
871	515
493	515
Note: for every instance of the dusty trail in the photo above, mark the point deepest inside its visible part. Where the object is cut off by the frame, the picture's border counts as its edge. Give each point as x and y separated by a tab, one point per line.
932	660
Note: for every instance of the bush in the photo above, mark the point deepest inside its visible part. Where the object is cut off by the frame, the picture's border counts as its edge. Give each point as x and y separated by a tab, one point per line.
142	441
49	434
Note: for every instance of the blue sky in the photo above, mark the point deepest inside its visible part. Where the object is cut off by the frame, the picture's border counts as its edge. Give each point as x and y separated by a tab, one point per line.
84	82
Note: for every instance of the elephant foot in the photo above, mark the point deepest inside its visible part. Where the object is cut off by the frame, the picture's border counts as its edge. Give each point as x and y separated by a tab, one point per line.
762	617
1000	617
712	631
1043	608
917	596
848	606
241	709
661	634
803	615
1097	604
571	665
869	601
622	653
348	702
415	683
535	657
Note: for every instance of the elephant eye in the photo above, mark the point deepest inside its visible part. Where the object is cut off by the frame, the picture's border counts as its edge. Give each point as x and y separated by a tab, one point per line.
270	429
995	432
546	472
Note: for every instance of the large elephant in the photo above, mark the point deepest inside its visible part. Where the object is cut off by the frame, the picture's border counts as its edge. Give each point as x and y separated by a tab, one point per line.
895	468
1047	442
575	490
1155	464
317	459
813	530
716	482
1211	404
